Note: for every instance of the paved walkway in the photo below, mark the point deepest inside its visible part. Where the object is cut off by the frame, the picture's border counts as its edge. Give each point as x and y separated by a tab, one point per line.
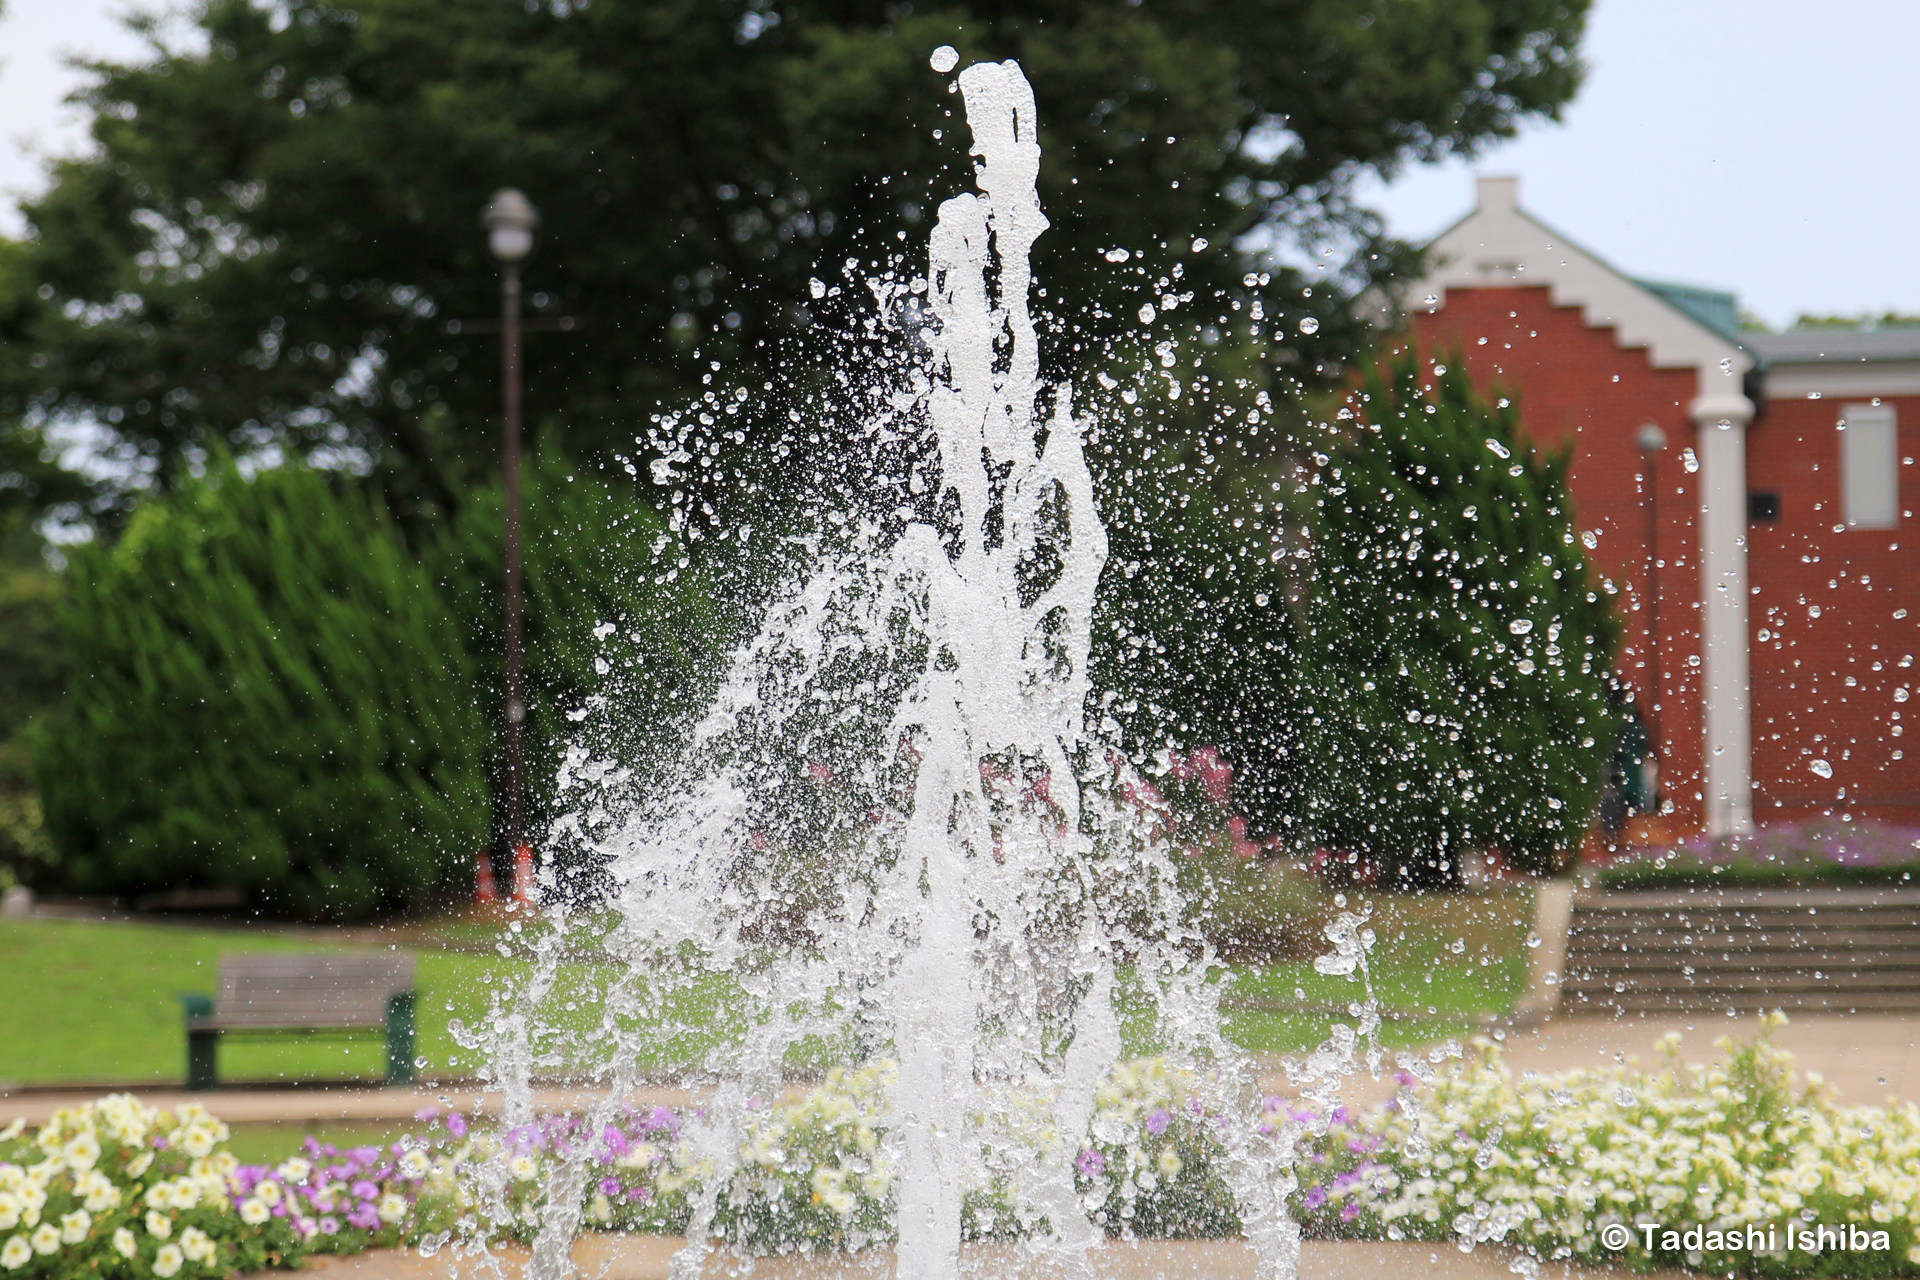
647	1258
1866	1058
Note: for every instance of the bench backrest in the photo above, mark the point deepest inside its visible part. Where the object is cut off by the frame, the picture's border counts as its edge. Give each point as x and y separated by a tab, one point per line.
311	990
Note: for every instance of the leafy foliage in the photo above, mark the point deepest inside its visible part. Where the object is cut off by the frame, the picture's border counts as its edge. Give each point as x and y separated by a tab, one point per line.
271	697
612	622
1456	654
275	227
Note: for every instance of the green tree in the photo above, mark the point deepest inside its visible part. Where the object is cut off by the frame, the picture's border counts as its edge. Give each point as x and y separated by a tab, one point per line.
274	229
621	642
268	695
1456	657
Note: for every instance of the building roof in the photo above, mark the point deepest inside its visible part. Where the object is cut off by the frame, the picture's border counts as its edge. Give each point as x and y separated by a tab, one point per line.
1499	245
1830	346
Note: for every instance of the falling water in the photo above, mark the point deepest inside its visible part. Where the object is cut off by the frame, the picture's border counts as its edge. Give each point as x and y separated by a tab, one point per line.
894	835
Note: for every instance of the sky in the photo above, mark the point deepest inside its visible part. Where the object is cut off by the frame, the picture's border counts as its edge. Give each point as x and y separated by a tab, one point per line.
1767	147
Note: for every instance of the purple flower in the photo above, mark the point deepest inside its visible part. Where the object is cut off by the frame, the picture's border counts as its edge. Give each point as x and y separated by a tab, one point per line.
330	1226
1339	1115
661	1118
365	1190
610	1187
1091	1163
640	1195
367	1155
364	1218
1157	1122
1349	1211
427	1114
1315	1197
457	1125
616	1142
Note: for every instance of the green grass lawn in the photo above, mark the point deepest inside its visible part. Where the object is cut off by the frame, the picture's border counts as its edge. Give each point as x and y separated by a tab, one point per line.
99	1003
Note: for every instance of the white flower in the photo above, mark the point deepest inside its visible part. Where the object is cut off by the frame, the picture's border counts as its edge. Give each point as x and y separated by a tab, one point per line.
414	1164
124	1243
82	1153
254	1211
294	1170
524	1168
75	1226
159	1225
392	1207
269	1192
17	1253
167	1261
9	1210
45	1238
1169	1164
196	1244
139	1164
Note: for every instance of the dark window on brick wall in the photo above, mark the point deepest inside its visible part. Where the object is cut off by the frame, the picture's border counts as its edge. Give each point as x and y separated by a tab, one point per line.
1763	507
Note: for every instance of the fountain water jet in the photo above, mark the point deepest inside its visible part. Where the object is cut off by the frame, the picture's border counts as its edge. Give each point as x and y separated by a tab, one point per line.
978	921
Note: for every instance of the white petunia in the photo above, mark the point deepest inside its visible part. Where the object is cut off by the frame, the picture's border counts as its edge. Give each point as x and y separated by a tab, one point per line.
392	1207
254	1211
124	1243
45	1238
167	1261
16	1254
159	1225
75	1226
196	1245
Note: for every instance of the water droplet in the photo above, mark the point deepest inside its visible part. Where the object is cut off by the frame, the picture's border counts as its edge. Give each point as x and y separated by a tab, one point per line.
1499	450
1813	611
1690	459
1148	314
818	288
1821	767
1726	367
1520	626
1625	1096
1117	255
1591	539
1533	939
944	59
1199	244
1309	325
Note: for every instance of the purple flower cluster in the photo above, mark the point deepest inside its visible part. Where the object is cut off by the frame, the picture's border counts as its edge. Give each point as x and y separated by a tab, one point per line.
330	1190
1792	846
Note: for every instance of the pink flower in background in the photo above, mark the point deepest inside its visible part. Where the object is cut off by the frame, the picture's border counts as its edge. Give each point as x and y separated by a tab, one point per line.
1091	1163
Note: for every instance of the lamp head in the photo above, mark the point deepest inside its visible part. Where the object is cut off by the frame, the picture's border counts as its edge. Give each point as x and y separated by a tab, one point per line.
509	219
1650	438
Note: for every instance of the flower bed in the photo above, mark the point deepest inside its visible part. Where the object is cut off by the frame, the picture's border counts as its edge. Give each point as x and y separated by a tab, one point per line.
1829	852
117	1189
1550	1162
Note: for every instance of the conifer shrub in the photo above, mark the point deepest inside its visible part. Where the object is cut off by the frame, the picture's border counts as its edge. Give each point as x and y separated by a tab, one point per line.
269	695
1456	655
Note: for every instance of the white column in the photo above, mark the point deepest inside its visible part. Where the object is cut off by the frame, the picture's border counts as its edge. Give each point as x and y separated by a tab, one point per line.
1721	418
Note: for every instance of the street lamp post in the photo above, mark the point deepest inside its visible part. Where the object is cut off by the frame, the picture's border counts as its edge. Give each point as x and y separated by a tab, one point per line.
1652	441
510	219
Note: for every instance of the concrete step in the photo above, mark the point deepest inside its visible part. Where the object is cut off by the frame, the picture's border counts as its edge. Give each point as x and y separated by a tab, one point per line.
1793	948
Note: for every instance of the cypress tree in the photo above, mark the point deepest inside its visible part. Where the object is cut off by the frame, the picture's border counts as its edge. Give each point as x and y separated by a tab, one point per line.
1456	659
268	695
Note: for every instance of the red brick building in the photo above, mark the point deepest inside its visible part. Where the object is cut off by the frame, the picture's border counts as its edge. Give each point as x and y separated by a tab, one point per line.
1750	494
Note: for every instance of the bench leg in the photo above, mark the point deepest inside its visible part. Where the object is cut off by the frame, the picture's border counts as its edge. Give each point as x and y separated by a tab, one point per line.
203	1070
400	1025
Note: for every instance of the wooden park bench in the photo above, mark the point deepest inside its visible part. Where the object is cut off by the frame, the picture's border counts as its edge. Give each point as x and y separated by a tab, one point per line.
340	994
